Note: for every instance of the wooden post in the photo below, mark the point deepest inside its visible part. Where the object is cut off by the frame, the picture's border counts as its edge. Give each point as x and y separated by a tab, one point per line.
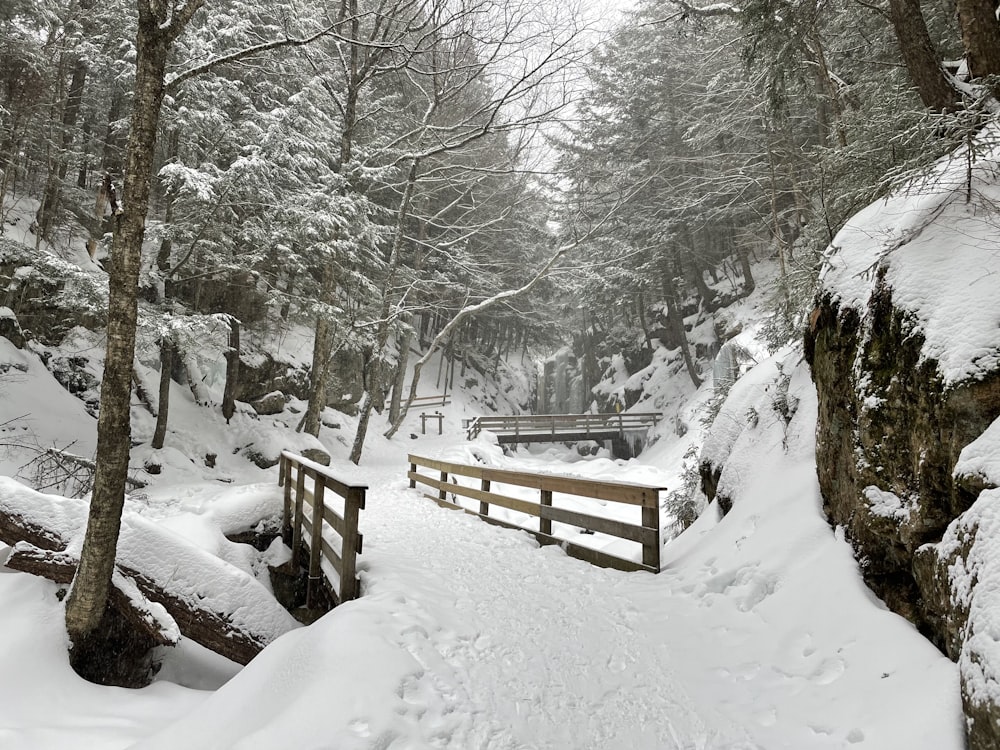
353	503
545	524
286	515
300	490
442	494
423	424
413	482
484	507
316	542
651	551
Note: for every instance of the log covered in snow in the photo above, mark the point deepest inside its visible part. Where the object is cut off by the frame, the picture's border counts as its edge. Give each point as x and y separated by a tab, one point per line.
161	580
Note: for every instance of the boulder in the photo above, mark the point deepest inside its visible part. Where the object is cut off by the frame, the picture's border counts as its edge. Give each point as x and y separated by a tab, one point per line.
271	403
316	455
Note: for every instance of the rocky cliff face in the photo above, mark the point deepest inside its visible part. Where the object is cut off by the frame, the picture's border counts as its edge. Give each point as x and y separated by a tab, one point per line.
889	436
903	346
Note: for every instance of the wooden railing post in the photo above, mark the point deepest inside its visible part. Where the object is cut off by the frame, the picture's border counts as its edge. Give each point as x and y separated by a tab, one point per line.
300	489
545	524
484	507
286	514
413	482
353	503
315	541
651	550
442	493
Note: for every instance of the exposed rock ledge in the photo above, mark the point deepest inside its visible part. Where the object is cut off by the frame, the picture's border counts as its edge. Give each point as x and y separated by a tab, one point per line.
904	347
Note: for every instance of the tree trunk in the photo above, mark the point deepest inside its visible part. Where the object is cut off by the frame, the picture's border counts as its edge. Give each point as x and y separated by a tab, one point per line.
675	319
375	375
86	602
53	188
167	244
232	370
320	372
920	56
981	38
748	281
399	382
163	407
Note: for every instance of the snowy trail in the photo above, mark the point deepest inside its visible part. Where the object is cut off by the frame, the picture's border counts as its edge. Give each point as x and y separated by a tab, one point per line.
471	637
553	650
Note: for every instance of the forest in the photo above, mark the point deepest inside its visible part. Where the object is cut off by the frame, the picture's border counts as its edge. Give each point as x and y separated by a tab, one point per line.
473	179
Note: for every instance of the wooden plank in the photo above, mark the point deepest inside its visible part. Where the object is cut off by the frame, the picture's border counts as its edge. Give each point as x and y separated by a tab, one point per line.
545	523
622	492
586	554
286	513
349	585
484	506
315	547
331	481
651	548
332	557
620	529
334	519
511	503
300	480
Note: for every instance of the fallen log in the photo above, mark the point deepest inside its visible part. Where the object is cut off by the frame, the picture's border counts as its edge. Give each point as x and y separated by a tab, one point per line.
126	596
160	578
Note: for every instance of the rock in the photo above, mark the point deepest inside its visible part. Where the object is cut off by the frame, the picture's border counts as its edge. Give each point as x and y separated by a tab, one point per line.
10	329
316	455
258	458
893	427
889	428
272	403
960	577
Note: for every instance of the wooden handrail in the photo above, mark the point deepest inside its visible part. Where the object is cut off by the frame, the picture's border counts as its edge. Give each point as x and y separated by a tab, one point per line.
556	424
323	517
442	399
646	496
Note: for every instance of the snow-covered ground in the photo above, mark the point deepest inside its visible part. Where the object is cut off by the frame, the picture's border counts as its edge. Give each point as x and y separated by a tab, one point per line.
758	633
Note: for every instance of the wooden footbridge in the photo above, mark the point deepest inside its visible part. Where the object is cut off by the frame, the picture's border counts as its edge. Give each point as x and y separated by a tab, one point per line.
321	515
562	428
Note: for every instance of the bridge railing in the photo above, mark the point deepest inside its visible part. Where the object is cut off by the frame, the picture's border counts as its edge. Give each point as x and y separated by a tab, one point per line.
556	424
441	399
319	508
646	534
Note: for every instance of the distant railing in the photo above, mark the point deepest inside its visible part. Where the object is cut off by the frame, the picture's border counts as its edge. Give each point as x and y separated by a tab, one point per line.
576	426
647	497
442	399
307	532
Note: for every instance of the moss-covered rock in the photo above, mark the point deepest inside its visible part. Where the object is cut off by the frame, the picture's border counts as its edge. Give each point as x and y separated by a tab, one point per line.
889	427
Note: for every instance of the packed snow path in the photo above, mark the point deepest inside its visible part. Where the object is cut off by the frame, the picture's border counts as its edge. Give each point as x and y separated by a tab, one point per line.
470	637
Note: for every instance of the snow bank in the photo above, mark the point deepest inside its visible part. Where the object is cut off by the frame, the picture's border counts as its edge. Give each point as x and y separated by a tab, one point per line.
975	585
938	253
981	457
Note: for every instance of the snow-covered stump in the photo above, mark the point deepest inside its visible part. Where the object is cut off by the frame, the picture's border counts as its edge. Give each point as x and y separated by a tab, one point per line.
163	587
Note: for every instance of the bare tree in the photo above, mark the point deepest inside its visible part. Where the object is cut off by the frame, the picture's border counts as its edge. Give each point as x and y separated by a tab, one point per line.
159	25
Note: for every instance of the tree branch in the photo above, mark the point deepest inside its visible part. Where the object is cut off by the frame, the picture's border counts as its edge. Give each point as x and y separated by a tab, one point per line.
174	81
